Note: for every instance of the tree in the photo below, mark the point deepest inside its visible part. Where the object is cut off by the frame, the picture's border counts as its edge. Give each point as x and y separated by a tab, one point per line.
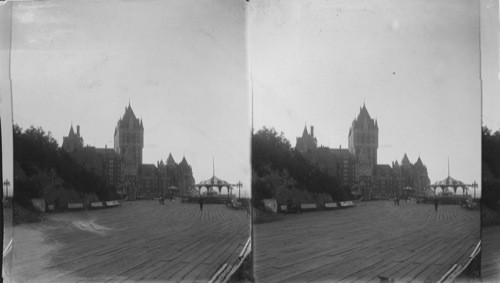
276	165
42	169
491	168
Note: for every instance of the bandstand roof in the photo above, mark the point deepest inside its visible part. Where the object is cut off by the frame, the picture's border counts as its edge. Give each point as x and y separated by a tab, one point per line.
213	182
449	182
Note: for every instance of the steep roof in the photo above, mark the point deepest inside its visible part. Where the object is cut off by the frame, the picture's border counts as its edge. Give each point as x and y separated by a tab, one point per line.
127	116
184	162
405	160
170	160
129	113
305	133
363	114
396	163
419	162
71	132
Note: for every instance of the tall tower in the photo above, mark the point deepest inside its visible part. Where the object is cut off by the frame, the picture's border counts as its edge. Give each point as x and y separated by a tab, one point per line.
307	143
73	141
129	140
363	143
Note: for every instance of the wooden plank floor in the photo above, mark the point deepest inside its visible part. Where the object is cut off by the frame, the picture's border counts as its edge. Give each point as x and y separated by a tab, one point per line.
410	242
490	254
140	240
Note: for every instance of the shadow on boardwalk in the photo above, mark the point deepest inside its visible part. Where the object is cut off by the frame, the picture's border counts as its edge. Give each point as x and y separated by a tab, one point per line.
141	240
371	241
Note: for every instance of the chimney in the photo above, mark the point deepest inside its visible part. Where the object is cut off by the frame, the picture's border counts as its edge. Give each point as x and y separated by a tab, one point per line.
312	131
78	130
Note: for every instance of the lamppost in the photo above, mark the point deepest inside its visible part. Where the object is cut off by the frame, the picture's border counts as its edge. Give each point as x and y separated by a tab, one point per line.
239	185
474	186
6	184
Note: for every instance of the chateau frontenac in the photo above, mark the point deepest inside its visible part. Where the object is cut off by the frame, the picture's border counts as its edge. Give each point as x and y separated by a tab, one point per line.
356	166
122	165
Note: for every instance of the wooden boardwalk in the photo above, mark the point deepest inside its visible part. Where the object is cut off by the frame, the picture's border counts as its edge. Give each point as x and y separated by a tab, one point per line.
490	254
141	240
374	240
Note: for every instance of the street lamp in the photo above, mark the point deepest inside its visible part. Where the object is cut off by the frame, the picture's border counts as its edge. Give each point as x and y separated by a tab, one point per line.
474	186
6	184
239	185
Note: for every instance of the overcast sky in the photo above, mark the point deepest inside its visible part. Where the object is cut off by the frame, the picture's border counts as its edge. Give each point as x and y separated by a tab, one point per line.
414	63
183	67
181	64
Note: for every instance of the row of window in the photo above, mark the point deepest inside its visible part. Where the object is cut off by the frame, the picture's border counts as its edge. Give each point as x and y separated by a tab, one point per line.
131	138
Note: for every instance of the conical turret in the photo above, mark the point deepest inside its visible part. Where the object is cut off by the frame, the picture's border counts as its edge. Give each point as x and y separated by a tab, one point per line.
170	160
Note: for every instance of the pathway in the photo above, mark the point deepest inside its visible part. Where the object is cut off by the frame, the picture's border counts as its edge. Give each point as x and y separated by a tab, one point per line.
374	240
140	240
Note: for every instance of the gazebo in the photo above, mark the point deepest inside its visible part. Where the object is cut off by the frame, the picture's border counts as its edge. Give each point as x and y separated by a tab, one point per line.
450	182
408	191
172	191
214	182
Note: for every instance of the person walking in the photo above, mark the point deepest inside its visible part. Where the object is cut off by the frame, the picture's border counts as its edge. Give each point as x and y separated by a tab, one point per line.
201	201
436	203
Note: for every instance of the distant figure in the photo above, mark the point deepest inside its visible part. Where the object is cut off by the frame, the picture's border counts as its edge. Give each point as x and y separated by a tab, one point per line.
299	208
436	203
201	201
249	211
289	205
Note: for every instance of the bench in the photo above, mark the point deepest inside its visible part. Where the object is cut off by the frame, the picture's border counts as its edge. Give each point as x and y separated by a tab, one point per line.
75	206
331	205
112	203
346	203
96	204
285	209
470	205
308	206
